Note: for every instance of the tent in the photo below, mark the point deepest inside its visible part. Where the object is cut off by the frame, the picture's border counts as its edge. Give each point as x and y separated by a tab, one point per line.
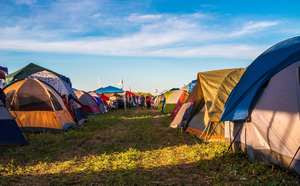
60	83
207	102
172	97
89	104
264	108
101	104
10	133
185	92
37	106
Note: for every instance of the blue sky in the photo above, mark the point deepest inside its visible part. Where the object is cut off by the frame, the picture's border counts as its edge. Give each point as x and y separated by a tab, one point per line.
151	44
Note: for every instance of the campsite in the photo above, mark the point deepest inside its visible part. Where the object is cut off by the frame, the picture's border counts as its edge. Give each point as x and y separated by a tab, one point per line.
109	92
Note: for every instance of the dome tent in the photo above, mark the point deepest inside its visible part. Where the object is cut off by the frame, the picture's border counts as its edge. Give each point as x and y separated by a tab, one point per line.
264	108
60	83
90	105
37	106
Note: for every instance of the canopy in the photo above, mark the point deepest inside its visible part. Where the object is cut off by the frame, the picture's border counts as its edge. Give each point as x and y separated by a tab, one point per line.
109	90
265	66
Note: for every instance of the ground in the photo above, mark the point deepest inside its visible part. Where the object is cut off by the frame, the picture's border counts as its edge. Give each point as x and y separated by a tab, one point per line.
127	148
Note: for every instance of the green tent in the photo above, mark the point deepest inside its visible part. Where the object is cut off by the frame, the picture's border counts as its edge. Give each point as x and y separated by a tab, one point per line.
29	70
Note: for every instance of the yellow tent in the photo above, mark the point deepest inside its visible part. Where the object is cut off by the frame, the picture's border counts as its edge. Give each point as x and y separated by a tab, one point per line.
36	106
209	97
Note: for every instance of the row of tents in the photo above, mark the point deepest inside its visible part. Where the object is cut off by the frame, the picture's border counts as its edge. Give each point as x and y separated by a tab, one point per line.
256	109
38	99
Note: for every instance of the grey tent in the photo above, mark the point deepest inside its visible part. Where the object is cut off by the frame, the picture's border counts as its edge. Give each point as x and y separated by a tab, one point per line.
264	108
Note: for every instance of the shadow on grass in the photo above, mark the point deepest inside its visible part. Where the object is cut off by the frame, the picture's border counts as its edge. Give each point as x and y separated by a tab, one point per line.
232	169
109	133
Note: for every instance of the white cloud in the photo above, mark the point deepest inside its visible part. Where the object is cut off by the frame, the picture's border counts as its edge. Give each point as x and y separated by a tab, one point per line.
66	27
252	27
144	18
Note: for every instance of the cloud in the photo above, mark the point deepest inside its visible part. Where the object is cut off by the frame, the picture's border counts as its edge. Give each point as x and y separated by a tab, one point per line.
252	27
96	27
144	18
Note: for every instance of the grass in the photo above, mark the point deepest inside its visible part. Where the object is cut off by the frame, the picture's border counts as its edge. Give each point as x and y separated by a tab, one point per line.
127	148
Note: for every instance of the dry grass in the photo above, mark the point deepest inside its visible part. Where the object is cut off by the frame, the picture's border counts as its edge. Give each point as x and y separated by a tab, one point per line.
136	147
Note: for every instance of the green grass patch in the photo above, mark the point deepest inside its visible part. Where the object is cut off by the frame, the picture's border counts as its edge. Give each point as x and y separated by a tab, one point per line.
127	148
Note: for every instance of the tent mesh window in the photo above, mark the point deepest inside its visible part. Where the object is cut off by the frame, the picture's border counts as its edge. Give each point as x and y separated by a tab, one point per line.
32	97
56	104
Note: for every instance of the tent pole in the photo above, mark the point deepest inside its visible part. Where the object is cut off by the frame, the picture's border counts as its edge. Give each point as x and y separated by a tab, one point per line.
209	136
203	131
235	136
293	158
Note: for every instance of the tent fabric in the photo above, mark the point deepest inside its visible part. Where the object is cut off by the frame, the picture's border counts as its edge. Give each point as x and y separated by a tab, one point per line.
272	133
89	103
99	102
32	69
176	122
109	90
37	106
10	133
265	66
51	79
209	97
182	99
185	92
216	87
172	96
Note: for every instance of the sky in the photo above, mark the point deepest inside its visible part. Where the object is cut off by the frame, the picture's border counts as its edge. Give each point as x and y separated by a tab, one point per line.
153	45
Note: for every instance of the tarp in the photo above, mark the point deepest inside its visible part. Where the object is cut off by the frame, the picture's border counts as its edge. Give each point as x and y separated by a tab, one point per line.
109	90
265	66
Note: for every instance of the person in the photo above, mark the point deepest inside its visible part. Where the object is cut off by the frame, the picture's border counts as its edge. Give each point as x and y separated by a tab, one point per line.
142	101
163	102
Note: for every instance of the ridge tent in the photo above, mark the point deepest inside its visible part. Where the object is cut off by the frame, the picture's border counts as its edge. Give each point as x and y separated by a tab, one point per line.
208	99
10	133
89	104
57	81
264	107
37	106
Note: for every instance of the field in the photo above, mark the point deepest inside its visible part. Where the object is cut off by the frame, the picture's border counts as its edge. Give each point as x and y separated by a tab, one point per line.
126	148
